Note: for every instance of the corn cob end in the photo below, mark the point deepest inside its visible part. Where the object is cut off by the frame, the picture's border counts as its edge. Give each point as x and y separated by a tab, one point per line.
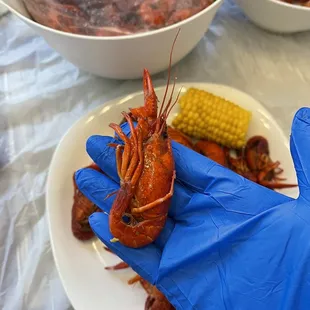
206	116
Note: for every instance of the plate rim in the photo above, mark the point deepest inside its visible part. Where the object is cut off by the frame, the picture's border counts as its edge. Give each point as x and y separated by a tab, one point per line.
110	103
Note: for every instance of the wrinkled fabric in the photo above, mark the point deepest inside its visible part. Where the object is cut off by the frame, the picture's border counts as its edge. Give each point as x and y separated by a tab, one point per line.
229	243
42	95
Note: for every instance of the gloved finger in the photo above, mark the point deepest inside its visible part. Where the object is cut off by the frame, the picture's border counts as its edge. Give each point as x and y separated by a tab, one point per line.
103	155
229	189
237	194
165	234
181	197
192	168
144	261
96	187
299	143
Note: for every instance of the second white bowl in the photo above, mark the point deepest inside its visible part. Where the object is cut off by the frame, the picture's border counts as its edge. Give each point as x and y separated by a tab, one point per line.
276	16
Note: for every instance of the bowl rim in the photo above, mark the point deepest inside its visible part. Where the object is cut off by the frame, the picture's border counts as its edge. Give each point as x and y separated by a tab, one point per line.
116	38
291	6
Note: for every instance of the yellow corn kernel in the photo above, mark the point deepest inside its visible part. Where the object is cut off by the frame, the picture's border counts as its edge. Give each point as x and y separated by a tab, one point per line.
206	116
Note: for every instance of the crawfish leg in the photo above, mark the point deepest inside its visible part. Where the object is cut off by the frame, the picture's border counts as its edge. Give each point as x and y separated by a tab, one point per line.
115	145
271	184
261	176
119	266
127	148
275	185
119	161
119	148
158	201
135	158
139	169
111	194
135	279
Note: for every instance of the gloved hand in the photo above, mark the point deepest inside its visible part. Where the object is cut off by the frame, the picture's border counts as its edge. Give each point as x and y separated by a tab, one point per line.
228	243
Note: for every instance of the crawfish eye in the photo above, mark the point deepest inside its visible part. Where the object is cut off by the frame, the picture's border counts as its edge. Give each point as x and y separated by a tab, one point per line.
165	134
126	219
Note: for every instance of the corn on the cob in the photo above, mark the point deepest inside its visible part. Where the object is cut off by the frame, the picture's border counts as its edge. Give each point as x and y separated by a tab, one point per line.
206	116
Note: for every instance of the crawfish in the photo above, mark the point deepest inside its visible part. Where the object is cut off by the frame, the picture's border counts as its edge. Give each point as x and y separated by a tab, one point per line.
258	159
155	300
180	137
146	170
155	13
159	13
81	210
239	165
211	150
186	9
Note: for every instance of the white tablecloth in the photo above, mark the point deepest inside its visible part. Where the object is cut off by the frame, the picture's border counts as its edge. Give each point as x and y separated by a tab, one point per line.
41	95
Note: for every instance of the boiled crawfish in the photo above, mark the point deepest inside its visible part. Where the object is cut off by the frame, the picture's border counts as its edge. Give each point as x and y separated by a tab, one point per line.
259	162
254	163
177	136
239	165
160	13
81	210
156	300
212	150
146	169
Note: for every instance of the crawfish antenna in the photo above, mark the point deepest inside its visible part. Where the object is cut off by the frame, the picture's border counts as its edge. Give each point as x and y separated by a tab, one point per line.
169	71
165	116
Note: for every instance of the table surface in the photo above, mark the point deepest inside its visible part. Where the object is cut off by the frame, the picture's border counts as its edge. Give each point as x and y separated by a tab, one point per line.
42	95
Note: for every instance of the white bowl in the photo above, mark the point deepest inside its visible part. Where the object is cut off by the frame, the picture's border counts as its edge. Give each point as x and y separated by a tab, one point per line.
276	16
124	57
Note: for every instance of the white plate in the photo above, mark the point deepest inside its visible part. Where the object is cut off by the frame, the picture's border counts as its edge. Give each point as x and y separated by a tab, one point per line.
81	264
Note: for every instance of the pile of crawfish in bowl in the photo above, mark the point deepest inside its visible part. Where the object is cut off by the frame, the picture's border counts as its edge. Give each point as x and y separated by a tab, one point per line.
247	157
112	17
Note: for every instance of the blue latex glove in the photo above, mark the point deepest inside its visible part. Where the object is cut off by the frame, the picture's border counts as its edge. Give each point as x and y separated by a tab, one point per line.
228	243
